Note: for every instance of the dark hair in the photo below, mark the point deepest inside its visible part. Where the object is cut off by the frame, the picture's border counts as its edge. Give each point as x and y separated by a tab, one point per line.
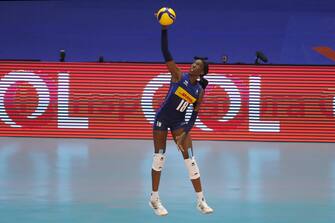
203	82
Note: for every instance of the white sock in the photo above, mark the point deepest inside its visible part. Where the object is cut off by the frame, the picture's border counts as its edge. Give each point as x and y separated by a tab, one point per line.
154	195
200	196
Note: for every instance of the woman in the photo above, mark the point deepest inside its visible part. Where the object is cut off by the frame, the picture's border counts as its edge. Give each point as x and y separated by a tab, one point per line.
185	89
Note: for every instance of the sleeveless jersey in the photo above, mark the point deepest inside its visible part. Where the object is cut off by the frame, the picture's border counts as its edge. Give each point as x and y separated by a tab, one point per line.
180	95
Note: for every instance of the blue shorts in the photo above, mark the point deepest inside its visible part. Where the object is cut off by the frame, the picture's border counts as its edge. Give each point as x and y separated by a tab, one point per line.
164	125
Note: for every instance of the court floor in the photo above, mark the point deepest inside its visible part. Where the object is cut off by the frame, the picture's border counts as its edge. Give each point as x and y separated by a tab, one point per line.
108	180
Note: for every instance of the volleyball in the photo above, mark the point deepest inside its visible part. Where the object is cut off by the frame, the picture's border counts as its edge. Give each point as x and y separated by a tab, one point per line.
166	16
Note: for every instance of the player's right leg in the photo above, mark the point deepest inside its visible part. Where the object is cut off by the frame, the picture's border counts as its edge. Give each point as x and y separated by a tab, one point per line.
160	135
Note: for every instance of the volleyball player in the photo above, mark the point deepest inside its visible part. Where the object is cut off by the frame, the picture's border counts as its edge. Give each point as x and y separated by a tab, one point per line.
185	89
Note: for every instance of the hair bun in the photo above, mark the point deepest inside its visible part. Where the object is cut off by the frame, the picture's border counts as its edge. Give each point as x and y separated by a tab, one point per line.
200	58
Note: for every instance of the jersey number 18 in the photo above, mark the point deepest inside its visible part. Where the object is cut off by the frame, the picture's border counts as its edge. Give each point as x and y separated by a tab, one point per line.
182	106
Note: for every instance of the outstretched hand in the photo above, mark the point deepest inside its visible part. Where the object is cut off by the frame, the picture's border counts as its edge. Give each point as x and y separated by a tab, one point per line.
180	141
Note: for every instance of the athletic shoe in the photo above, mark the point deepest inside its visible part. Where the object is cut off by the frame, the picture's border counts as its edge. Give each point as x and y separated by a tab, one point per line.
203	207
158	208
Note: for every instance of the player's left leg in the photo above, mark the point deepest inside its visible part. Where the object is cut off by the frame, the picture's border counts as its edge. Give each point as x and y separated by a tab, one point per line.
193	171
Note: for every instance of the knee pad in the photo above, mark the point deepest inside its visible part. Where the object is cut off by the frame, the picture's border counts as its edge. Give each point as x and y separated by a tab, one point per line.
192	167
158	161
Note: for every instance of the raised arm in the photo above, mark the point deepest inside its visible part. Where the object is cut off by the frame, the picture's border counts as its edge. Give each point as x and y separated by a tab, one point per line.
172	67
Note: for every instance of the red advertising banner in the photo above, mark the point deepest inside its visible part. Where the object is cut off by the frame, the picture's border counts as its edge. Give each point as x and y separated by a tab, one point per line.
119	100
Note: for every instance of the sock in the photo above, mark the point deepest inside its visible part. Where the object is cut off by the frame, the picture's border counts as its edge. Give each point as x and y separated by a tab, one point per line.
200	196
154	195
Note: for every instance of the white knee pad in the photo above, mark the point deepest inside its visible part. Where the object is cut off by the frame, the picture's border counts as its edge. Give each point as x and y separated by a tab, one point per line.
158	162
192	167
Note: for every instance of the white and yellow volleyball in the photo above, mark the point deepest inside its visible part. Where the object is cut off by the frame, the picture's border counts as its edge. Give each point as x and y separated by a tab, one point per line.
166	16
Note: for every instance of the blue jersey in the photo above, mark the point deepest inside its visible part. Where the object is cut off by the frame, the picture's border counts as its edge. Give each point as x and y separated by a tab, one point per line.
181	94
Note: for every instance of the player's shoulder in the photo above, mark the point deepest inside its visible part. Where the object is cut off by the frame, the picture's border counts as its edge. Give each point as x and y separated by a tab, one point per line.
185	76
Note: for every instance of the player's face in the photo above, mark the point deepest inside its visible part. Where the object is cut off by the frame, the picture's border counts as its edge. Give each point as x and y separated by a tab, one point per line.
197	68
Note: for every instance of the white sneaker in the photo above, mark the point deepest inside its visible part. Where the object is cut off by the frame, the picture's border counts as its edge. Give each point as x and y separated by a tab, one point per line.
203	207
158	208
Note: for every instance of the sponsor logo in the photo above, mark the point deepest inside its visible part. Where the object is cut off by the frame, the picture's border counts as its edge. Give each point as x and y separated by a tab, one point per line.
43	93
183	94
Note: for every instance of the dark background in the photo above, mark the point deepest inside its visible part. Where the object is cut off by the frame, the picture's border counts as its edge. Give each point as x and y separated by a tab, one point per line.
126	30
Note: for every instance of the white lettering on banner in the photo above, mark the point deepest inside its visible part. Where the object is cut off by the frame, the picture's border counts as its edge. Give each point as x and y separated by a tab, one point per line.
234	99
233	93
34	80
148	94
64	121
255	124
43	93
235	103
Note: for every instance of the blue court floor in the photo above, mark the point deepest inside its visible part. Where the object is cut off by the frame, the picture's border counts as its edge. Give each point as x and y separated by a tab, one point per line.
103	180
